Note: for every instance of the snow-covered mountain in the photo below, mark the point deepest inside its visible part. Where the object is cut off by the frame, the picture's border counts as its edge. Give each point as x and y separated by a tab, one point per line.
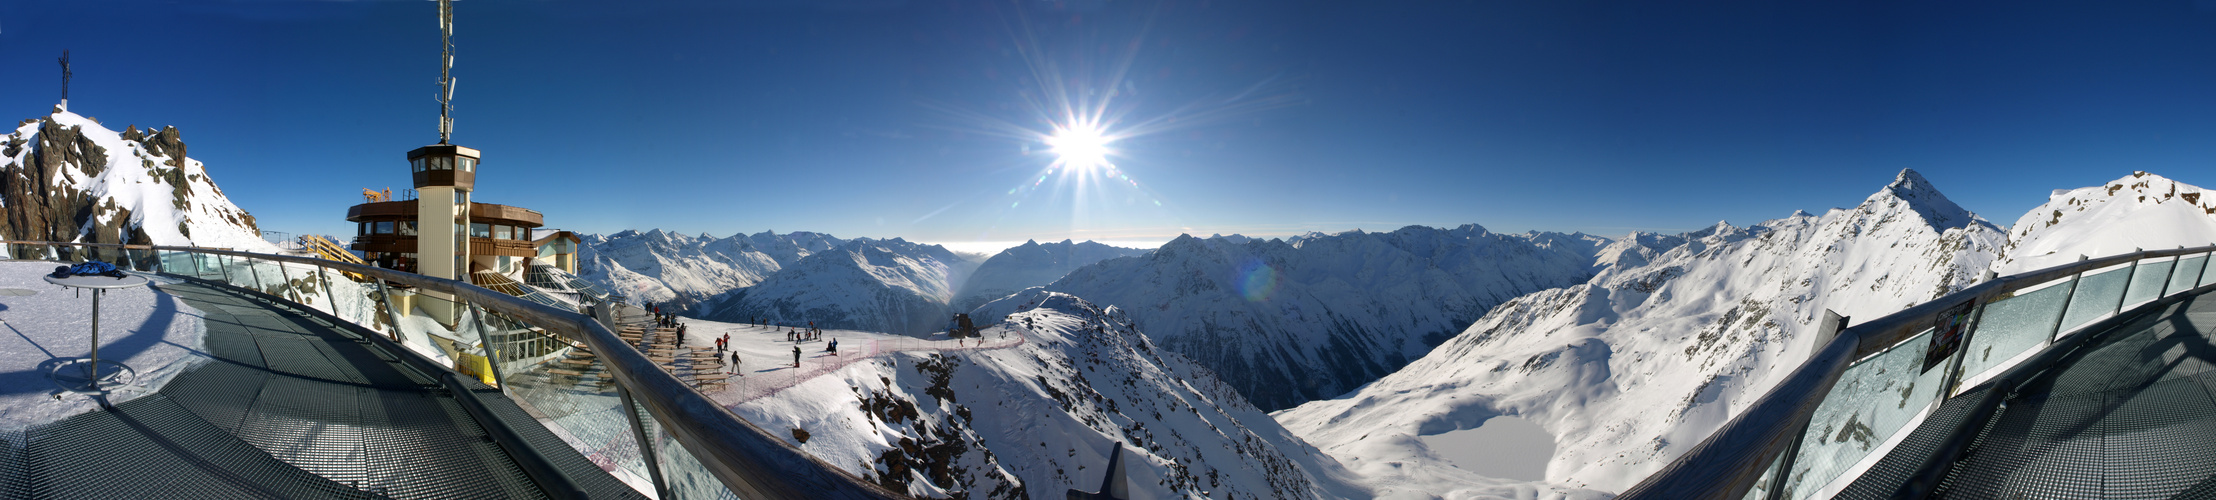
1029	265
1041	418
1641	362
65	177
891	286
2141	210
1287	321
679	270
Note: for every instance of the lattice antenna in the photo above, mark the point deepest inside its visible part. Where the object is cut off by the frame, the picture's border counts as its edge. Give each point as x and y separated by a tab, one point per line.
65	77
446	68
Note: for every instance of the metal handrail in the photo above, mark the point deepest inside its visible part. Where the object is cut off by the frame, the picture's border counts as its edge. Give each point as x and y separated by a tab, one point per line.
751	462
1730	461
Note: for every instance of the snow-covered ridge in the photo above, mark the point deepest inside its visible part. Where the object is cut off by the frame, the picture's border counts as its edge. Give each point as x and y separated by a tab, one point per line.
1286	321
892	286
65	177
1039	419
1031	264
1644	360
2140	210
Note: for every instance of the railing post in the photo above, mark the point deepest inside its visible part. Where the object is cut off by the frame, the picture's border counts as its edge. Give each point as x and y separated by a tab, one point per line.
224	264
392	313
296	296
323	277
484	342
646	448
256	274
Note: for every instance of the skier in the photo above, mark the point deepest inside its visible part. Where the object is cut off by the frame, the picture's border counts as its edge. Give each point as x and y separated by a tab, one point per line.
735	363
832	347
796	356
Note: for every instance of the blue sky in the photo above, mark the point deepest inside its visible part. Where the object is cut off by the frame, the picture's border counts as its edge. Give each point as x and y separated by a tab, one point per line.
893	118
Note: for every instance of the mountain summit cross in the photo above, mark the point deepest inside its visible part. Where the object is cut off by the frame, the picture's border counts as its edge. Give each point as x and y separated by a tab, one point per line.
65	78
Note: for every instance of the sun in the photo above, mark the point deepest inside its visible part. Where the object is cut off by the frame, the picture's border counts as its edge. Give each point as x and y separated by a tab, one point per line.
1080	147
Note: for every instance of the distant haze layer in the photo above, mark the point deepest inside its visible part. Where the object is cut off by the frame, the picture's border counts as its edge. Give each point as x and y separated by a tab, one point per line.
994	247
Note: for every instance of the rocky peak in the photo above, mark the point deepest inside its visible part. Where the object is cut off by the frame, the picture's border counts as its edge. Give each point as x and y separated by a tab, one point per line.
1911	191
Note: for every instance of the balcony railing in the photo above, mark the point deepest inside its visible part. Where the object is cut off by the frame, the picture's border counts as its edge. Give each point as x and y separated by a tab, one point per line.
615	406
1874	376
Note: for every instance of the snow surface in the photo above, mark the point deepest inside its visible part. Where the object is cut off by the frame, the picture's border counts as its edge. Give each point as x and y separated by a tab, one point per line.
154	333
1039	418
1640	363
2141	210
133	178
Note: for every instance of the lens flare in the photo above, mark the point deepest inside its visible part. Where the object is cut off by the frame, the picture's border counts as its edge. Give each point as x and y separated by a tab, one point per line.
1080	147
1256	281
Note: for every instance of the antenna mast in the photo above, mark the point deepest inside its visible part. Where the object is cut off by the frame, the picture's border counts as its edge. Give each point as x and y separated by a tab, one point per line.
446	67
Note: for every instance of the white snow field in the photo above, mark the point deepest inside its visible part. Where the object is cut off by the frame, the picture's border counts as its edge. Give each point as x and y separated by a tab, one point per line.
1502	447
2141	210
1036	418
1643	361
156	334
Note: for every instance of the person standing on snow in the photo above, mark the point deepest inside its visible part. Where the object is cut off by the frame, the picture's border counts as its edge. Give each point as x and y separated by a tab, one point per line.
796	356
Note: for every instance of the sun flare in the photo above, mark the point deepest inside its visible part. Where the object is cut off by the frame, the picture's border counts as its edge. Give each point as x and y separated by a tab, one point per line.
1079	147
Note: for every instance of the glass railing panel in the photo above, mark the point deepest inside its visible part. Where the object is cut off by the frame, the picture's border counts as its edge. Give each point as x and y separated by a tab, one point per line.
2146	282
2013	325
686	477
1763	487
1872	400
2208	274
572	392
2187	275
2098	293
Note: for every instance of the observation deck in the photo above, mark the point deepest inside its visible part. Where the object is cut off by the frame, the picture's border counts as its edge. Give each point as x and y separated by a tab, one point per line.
2088	380
314	388
293	406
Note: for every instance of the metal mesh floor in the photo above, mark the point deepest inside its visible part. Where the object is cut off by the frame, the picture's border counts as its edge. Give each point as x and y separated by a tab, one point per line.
2132	416
290	408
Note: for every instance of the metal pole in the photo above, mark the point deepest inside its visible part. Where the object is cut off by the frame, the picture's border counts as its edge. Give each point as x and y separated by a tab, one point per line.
392	312
225	266
254	273
484	342
94	374
646	448
295	296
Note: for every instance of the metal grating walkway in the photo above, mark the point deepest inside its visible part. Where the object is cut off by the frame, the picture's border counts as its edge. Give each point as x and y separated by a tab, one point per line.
2131	415
291	407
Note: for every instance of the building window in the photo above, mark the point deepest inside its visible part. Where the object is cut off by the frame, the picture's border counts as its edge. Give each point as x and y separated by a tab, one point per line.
407	228
384	227
417	164
504	232
364	229
480	230
468	164
442	163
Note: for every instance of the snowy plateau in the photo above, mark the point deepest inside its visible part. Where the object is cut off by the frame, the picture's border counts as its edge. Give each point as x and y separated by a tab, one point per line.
1640	363
65	177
